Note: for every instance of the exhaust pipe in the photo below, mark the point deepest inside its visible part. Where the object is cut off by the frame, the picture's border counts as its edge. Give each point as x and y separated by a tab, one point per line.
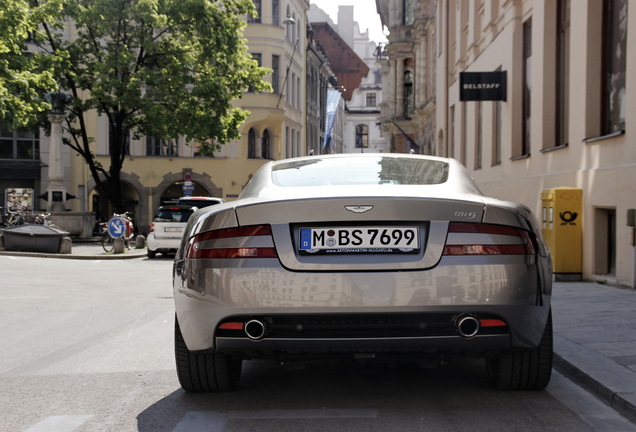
467	325
255	329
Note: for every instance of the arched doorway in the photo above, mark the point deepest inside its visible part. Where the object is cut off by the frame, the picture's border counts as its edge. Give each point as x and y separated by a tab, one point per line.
173	192
104	210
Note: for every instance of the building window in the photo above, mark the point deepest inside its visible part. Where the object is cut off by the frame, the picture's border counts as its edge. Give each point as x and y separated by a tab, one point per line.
408	94
371	99
251	144
265	145
275	74
259	59
615	66
409	16
160	147
362	136
126	133
377	76
258	7
527	87
562	73
19	144
275	12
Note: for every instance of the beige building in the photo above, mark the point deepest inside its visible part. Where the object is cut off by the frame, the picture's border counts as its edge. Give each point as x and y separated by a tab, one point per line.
565	118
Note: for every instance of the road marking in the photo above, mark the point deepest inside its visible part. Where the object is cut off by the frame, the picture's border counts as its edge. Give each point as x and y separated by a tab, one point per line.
66	423
212	421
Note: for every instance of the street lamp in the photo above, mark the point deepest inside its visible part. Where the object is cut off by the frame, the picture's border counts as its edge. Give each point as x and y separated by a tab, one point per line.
288	21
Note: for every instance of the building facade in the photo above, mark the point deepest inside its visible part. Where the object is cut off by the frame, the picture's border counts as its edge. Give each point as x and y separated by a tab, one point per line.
362	125
408	107
565	119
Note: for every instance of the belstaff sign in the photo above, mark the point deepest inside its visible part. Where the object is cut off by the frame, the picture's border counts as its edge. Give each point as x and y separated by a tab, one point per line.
482	86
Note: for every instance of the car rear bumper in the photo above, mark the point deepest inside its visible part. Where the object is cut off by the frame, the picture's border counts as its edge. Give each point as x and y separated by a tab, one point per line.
510	291
160	244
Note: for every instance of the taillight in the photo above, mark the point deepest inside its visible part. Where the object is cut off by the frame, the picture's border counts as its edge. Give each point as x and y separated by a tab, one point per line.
231	243
152	227
523	245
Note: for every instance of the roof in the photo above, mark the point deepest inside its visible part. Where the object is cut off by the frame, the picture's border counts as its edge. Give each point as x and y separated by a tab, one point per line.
345	63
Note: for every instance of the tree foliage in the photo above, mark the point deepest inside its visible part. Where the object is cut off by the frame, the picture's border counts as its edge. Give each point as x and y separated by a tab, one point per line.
167	68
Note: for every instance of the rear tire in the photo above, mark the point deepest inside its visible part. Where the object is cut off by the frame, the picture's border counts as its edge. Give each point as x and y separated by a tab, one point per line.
151	253
523	369
204	371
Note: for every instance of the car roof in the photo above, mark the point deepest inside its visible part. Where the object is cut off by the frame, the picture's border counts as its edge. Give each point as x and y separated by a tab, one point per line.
200	198
175	207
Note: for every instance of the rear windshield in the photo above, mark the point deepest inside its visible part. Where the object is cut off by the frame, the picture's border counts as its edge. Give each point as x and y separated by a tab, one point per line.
172	215
360	171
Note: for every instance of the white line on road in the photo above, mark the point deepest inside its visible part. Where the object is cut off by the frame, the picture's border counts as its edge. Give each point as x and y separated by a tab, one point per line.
66	423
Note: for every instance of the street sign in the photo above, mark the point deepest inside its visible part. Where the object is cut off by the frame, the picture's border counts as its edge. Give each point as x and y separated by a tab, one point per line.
116	227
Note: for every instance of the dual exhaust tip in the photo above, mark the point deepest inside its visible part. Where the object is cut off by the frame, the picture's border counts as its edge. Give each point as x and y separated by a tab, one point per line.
466	325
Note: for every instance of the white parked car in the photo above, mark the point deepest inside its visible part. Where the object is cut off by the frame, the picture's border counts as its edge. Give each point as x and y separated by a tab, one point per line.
166	229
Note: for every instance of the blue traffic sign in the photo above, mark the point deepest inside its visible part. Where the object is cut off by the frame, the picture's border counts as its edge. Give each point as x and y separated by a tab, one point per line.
116	227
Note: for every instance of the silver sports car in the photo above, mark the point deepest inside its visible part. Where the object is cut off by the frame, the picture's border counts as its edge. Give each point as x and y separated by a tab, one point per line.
362	256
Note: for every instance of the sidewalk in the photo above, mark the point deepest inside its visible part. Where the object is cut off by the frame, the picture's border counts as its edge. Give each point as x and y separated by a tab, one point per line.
595	341
594	331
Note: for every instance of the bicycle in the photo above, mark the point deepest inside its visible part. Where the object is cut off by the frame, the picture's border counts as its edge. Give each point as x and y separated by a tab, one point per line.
108	242
15	218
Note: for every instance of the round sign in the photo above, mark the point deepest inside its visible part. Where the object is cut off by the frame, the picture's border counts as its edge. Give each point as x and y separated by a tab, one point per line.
116	227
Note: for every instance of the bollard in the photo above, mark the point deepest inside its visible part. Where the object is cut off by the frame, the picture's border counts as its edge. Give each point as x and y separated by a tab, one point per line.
118	245
140	242
66	245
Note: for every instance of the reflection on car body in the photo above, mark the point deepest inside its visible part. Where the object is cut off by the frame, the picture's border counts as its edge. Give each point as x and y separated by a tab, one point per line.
423	265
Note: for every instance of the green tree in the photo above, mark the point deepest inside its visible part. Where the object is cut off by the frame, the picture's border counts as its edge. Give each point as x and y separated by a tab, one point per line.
165	68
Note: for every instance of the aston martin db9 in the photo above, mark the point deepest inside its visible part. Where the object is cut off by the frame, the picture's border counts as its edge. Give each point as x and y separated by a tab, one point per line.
362	256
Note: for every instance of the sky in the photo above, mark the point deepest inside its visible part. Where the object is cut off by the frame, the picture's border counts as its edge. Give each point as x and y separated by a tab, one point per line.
364	13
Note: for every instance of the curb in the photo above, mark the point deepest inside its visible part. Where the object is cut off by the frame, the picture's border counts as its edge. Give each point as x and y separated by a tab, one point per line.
610	382
76	257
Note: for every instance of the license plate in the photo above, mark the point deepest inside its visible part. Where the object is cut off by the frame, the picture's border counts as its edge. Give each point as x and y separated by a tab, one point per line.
359	240
173	229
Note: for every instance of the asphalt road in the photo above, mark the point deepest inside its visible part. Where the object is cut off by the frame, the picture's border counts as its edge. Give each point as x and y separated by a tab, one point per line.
87	346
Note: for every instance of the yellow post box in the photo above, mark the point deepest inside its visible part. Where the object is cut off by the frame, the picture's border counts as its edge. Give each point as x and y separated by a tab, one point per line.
563	230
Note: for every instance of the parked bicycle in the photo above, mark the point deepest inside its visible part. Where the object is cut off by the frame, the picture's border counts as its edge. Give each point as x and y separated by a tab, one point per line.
108	242
15	218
